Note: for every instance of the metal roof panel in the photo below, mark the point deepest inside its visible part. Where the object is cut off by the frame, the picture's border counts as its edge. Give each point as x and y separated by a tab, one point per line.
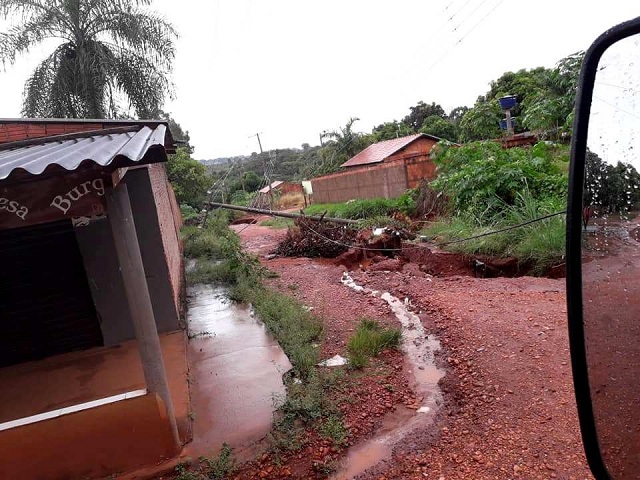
377	152
117	149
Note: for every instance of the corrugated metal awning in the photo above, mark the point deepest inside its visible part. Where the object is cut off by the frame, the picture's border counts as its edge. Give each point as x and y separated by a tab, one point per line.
110	147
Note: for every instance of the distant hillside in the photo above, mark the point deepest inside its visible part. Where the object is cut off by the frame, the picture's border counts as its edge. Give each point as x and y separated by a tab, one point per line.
224	160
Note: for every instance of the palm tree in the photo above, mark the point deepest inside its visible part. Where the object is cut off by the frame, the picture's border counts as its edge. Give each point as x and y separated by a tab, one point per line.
108	51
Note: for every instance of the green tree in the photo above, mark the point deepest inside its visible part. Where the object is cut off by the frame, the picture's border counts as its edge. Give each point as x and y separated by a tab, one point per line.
455	115
188	177
343	144
421	112
482	122
481	178
610	188
390	130
106	50
441	128
550	111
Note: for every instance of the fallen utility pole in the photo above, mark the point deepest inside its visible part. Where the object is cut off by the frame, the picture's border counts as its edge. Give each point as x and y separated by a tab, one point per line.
344	221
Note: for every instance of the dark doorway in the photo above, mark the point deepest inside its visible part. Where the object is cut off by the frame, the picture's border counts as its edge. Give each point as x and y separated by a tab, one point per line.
45	302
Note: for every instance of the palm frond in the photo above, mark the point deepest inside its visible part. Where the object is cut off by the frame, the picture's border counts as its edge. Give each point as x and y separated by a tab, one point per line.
111	50
20	38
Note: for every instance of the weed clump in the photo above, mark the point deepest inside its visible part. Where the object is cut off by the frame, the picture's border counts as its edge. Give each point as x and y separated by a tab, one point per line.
216	468
369	339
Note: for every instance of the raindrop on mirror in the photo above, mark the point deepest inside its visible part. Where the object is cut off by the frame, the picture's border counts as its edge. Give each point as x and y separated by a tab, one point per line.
611	257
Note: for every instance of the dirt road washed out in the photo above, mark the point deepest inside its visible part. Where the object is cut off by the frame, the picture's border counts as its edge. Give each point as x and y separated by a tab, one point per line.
419	348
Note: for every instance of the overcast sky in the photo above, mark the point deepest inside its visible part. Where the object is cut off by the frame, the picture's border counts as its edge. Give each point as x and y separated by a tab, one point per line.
290	69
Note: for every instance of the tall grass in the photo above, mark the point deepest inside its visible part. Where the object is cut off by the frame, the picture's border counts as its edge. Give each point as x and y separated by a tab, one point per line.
540	244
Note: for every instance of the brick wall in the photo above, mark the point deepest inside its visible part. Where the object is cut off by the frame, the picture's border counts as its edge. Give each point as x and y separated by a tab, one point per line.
419	168
170	221
13	132
385	180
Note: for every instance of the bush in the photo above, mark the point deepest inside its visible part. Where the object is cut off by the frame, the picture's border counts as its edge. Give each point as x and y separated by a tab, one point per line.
369	340
480	178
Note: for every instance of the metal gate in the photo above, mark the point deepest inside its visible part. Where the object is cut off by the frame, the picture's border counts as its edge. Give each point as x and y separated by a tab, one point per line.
45	302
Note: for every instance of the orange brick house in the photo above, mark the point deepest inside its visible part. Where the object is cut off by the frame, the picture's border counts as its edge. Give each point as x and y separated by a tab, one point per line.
384	169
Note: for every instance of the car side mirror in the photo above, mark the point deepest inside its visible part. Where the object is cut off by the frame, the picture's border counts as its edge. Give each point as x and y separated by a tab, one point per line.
603	253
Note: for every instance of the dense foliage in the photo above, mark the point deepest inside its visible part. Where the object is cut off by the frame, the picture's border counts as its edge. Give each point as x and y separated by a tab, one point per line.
188	177
610	188
481	178
106	50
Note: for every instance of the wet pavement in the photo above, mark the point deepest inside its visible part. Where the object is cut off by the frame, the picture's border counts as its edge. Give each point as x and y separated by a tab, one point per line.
236	370
419	348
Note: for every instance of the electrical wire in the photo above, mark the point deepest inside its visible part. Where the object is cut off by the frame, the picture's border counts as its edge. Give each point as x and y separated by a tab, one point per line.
439	244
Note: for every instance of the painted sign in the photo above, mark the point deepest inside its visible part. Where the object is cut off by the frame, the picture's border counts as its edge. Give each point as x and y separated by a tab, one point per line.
51	199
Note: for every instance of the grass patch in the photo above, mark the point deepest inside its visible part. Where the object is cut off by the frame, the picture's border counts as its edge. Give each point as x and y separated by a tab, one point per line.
219	467
216	468
366	208
369	339
277	223
206	271
308	404
333	429
540	244
289	200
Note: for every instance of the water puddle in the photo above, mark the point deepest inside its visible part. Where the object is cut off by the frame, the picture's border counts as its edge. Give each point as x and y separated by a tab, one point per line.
236	370
420	348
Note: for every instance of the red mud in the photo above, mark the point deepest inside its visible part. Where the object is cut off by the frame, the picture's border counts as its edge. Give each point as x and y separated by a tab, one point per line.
508	410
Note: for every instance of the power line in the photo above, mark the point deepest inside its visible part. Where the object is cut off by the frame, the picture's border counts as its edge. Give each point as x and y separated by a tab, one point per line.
446	52
481	20
440	244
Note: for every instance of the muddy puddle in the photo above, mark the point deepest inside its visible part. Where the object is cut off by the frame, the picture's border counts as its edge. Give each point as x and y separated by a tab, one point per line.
419	348
236	370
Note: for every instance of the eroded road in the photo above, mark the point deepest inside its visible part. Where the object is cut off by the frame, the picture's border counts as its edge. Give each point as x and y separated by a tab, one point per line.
508	409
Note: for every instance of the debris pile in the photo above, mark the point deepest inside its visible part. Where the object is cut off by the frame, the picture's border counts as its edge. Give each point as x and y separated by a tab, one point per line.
313	238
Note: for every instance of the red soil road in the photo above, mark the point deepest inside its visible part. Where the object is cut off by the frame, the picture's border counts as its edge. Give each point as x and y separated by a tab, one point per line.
509	409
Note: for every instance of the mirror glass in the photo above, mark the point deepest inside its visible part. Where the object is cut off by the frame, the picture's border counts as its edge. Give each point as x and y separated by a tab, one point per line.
611	257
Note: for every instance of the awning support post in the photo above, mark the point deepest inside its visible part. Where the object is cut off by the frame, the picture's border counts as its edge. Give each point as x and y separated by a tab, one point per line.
138	298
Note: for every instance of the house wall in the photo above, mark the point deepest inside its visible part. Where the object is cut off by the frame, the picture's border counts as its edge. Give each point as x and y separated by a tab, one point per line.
290	188
160	249
385	180
105	281
400	171
169	222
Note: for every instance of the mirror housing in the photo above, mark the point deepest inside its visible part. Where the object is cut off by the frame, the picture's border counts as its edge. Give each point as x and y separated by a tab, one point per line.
584	96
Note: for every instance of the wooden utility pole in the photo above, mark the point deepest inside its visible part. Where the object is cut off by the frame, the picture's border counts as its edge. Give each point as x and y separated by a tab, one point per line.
342	221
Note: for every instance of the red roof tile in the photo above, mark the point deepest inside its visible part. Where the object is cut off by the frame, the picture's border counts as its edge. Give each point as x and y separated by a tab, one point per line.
379	151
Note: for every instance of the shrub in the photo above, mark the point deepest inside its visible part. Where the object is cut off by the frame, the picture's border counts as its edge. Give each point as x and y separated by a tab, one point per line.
481	178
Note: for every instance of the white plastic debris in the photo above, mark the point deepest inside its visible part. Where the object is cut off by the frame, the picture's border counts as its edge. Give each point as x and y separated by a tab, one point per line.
335	361
424	410
378	231
349	282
